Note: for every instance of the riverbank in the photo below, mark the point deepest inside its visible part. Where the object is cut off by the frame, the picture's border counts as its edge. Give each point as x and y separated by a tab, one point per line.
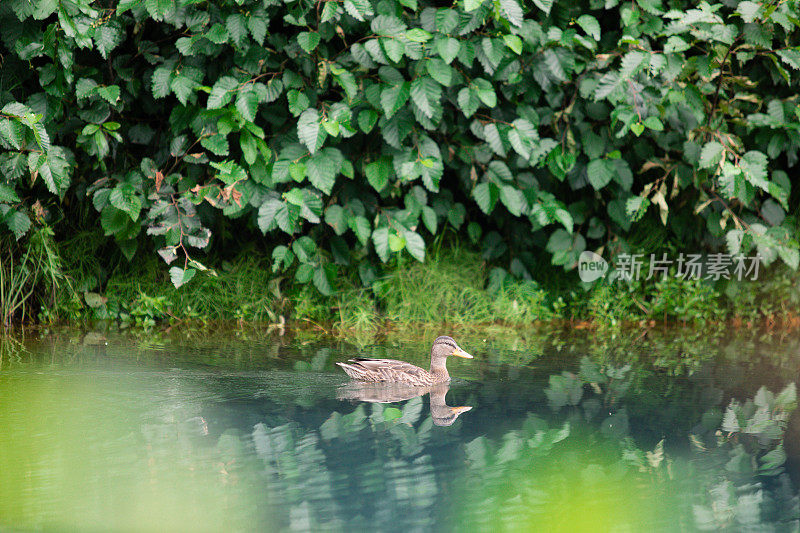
455	286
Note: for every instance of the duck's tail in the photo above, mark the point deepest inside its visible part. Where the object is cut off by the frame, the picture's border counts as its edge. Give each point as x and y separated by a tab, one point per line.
354	371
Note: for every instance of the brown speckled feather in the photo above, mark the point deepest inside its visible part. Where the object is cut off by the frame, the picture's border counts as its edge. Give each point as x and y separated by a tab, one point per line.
394	371
387	370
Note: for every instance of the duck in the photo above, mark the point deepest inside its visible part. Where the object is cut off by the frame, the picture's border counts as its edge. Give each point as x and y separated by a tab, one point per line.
394	371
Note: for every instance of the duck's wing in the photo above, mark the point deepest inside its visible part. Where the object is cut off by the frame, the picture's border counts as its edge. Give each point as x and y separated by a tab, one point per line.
386	370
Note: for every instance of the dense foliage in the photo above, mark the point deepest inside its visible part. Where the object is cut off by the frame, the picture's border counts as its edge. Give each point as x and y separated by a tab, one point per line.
353	132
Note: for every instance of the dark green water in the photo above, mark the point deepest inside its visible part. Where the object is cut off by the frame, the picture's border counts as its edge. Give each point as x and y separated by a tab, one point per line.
225	431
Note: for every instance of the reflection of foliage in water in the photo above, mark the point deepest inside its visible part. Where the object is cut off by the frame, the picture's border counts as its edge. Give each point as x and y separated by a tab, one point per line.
578	469
589	452
11	349
377	453
743	465
597	478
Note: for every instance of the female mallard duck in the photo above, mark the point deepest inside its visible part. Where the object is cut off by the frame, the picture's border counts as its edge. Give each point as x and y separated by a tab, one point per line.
393	371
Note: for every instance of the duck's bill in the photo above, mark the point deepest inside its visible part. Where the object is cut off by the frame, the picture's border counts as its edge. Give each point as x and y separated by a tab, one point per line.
458	352
462	409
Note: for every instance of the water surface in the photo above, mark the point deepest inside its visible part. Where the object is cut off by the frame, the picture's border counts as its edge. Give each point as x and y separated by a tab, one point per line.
576	431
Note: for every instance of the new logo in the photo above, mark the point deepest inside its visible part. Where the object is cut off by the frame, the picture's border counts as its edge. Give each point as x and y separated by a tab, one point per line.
591	266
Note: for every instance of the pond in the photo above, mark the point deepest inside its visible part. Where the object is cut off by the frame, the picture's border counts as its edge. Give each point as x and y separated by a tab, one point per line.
543	430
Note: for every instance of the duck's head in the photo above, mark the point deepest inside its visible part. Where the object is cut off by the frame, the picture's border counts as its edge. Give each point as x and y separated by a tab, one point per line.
445	346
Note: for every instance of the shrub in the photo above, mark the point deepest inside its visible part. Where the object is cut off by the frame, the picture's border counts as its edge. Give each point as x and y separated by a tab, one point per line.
355	132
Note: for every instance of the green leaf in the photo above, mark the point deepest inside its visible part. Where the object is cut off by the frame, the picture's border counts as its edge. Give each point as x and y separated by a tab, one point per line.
308	41
675	45
492	135
247	103
748	10
396	242
358	9
249	147
336	218
18	222
418	35
589	25
180	277
367	119
632	62
378	173
221	92
486	195
600	173
468	101
236	24
513	42
125	5
216	144
650	6
711	154
393	98
323	167
304	273
607	85
361	228
392	413
321	281
512	12
380	238
109	93
347	81
790	56
183	87
415	245
161	79
267	214
440	71
282	258
429	218
305	249
754	166
125	198
113	220
654	123
563	216
426	94
308	129
257	24
544	5
446	20
513	199
447	48
485	92
298	102
7	194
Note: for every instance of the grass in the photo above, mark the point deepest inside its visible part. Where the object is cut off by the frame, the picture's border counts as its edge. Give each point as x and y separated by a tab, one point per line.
455	286
450	287
30	273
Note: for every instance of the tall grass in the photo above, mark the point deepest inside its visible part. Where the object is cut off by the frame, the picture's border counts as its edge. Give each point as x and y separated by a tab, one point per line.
451	286
29	272
243	289
17	283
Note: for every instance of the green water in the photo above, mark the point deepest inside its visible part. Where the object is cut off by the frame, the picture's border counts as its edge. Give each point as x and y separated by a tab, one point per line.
578	431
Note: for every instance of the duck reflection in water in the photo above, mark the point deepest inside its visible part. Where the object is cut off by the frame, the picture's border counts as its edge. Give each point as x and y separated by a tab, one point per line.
442	414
